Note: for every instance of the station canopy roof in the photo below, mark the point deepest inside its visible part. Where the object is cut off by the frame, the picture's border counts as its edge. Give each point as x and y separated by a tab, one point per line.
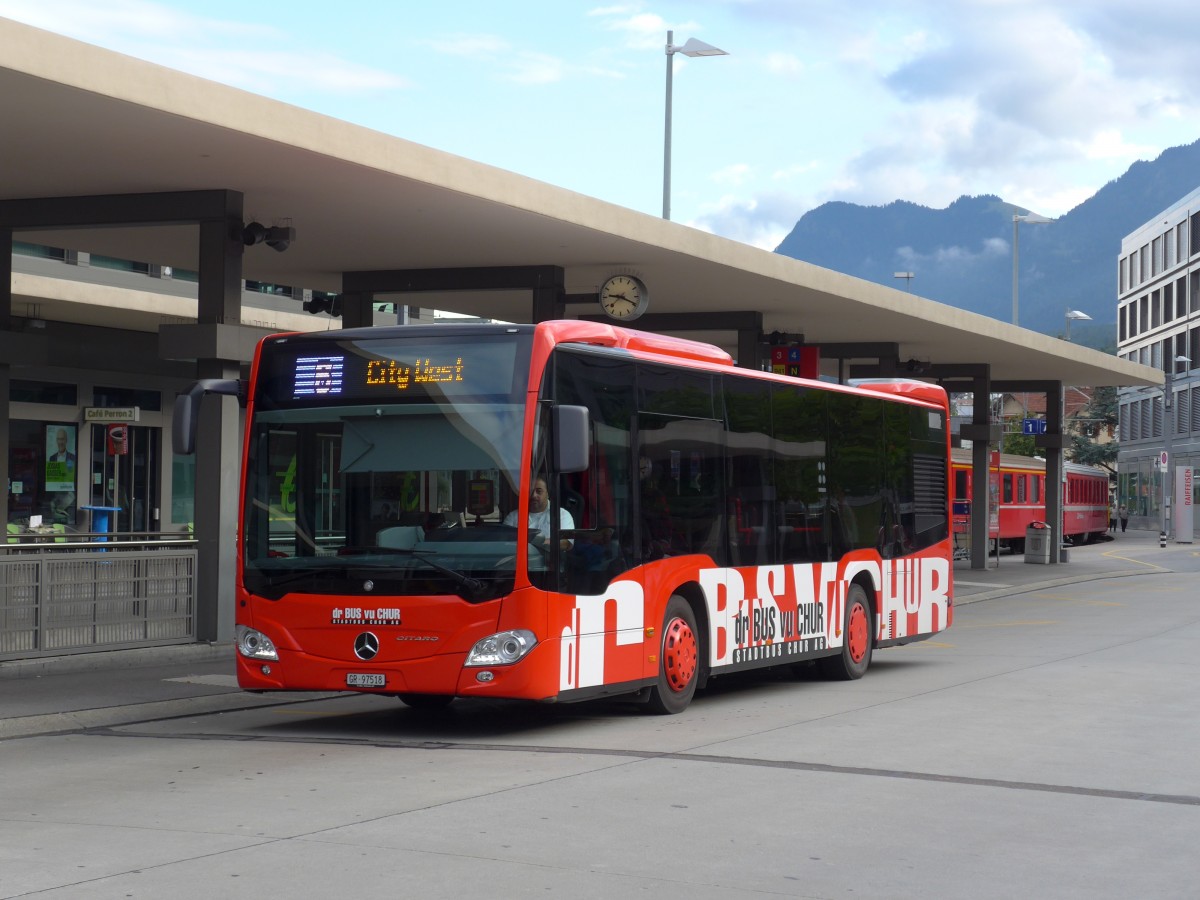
81	121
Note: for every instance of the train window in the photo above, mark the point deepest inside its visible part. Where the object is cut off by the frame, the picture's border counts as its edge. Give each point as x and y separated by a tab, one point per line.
1035	494
1021	487
960	484
1008	488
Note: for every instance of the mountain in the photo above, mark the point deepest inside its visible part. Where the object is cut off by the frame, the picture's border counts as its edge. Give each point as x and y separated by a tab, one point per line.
962	255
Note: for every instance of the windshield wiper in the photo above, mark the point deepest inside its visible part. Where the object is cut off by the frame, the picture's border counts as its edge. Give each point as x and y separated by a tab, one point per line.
472	584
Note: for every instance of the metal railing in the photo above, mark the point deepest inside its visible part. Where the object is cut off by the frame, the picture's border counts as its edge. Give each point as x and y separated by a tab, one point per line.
61	596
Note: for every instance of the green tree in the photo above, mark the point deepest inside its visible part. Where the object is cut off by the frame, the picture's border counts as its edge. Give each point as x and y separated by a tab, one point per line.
1018	444
1097	417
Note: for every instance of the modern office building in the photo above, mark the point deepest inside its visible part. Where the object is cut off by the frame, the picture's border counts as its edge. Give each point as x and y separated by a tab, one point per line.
1158	324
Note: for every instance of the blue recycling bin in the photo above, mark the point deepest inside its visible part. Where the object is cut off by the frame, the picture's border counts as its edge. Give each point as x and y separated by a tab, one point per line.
103	518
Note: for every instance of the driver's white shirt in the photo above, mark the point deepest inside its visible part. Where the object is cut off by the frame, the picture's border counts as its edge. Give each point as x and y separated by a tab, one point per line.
540	521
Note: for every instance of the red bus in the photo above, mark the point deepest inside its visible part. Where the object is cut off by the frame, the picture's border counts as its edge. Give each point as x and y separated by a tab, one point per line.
689	518
1021	497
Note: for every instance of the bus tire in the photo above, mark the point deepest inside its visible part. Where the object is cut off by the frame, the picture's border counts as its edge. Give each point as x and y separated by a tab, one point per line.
426	701
679	660
855	658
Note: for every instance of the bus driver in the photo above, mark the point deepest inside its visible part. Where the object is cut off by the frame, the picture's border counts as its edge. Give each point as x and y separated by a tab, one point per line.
539	516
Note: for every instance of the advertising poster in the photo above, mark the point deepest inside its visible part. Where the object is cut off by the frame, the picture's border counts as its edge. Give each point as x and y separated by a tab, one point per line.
60	459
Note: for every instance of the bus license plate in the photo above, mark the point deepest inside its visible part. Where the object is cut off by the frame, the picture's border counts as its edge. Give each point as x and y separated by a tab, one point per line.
365	679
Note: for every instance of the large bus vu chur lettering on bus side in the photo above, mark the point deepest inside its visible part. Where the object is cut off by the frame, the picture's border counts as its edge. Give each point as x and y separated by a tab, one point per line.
702	519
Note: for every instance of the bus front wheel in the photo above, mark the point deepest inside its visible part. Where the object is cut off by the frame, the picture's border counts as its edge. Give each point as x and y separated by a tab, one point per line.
679	660
855	657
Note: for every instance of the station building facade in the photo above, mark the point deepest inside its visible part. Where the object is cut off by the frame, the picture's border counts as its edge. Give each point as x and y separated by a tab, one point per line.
89	426
1158	324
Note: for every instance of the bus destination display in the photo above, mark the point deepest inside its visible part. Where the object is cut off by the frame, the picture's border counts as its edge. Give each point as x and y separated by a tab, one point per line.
383	372
318	376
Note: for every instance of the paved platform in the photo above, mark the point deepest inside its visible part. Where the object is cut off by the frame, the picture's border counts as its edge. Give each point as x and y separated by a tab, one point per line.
95	690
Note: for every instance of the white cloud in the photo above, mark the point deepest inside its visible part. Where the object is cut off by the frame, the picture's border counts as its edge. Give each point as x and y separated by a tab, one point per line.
1110	144
785	64
735	174
536	68
201	45
762	220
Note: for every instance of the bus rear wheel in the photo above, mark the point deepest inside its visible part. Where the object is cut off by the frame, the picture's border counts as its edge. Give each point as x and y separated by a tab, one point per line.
679	660
855	658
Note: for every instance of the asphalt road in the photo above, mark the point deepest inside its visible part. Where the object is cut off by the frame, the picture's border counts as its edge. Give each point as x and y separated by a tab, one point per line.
1042	747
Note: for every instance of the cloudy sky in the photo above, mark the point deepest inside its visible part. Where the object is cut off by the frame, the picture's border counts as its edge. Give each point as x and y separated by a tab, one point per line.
1038	101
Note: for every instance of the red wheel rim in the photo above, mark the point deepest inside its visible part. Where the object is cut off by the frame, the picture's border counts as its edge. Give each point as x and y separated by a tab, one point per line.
856	633
679	655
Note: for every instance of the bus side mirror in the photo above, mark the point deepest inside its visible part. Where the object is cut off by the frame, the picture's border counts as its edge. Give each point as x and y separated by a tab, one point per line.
571	439
187	410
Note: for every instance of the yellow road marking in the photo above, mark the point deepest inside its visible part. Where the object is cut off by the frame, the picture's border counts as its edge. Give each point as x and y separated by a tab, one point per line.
1113	555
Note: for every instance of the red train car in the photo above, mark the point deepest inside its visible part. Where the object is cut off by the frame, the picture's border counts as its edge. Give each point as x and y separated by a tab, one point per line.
1020	483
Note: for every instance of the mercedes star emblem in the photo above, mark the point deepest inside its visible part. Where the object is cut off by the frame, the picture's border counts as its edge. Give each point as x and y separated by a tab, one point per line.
366	645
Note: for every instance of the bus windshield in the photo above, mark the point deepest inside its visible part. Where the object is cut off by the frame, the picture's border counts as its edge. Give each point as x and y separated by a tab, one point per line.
362	478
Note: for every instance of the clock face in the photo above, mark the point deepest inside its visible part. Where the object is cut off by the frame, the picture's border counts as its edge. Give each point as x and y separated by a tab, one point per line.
624	297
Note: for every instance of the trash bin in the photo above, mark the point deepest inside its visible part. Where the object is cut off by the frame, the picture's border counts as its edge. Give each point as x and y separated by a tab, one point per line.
1037	543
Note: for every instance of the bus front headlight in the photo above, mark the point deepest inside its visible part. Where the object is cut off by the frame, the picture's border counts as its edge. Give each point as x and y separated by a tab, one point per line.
254	644
502	649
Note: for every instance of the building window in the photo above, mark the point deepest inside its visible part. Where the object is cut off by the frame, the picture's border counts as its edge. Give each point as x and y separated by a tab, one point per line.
21	248
1122	335
43	471
1181	297
1156	256
21	391
123	265
1155	309
1181	234
1168	302
1195	231
1143	313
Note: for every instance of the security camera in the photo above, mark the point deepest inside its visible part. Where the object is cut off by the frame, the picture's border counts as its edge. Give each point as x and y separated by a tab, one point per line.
277	237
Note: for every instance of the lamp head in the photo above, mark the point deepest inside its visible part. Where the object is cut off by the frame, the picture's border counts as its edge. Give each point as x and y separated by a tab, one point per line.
694	47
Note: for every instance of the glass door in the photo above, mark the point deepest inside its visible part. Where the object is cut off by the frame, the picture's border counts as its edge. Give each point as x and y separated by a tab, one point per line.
125	474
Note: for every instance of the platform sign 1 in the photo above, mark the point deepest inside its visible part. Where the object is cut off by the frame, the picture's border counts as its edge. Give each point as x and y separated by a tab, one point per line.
1033	426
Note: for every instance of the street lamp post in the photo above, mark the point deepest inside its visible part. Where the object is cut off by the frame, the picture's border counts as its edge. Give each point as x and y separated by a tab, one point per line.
1075	315
1033	219
693	47
1168	430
